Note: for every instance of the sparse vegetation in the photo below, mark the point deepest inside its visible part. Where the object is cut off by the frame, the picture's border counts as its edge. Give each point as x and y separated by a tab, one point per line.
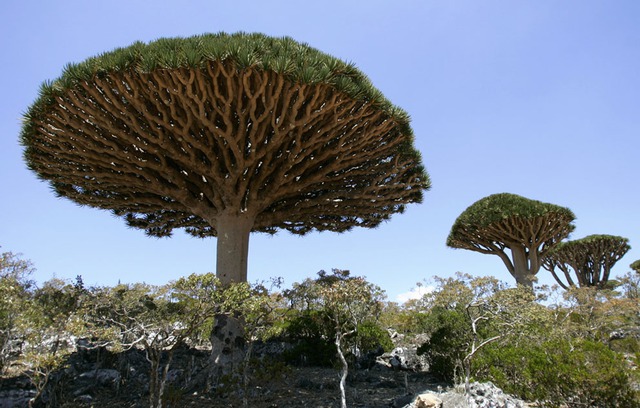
478	329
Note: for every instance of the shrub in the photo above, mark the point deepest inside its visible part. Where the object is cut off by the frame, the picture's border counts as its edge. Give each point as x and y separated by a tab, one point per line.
371	337
562	372
449	340
313	346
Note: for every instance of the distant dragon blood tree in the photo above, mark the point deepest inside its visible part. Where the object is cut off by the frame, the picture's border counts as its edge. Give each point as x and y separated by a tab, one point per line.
526	228
590	258
635	266
224	135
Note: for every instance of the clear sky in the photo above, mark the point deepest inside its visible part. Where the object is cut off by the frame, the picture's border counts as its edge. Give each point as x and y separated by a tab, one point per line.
536	97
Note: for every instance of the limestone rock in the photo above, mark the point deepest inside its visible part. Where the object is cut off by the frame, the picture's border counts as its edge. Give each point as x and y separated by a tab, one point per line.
427	400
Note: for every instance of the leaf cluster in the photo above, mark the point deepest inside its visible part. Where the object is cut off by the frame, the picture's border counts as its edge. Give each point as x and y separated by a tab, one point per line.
297	61
503	208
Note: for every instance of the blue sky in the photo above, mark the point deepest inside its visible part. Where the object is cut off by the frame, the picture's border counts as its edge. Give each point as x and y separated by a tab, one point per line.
536	97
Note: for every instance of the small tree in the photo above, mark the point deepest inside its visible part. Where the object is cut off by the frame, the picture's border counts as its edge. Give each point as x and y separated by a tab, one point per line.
157	319
15	293
465	315
630	282
590	258
508	222
507	312
598	314
259	307
40	320
49	323
347	302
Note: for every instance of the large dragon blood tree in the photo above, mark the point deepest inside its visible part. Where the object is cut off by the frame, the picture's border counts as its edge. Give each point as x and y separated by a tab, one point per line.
503	223
590	258
224	135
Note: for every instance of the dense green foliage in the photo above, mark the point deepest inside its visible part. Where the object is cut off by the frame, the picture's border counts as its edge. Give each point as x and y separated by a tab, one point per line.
499	207
297	61
560	372
321	307
449	340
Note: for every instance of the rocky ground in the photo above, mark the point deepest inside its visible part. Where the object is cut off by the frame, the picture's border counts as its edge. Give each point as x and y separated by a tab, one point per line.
92	380
294	388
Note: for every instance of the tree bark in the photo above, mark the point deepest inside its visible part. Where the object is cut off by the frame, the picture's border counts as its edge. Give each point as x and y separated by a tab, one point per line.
233	247
521	270
227	346
345	370
227	336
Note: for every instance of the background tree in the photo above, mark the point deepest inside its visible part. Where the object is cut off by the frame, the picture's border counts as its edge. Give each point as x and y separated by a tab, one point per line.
15	292
465	314
590	258
349	302
508	222
223	135
630	282
156	319
50	322
580	336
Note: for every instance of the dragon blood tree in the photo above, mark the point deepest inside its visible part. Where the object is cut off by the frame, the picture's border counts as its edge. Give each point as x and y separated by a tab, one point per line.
590	258
224	135
526	228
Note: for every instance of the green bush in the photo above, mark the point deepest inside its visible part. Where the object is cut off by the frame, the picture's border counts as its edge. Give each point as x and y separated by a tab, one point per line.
449	340
371	337
564	372
313	344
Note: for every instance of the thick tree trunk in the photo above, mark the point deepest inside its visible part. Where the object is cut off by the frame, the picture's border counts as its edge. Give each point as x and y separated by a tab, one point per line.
227	336
227	346
521	270
233	247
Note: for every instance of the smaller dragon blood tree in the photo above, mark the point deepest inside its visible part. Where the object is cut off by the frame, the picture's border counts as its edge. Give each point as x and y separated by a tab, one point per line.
590	258
508	223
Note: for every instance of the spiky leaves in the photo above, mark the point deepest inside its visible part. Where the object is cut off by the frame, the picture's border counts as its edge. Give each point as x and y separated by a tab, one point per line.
201	132
590	259
508	222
